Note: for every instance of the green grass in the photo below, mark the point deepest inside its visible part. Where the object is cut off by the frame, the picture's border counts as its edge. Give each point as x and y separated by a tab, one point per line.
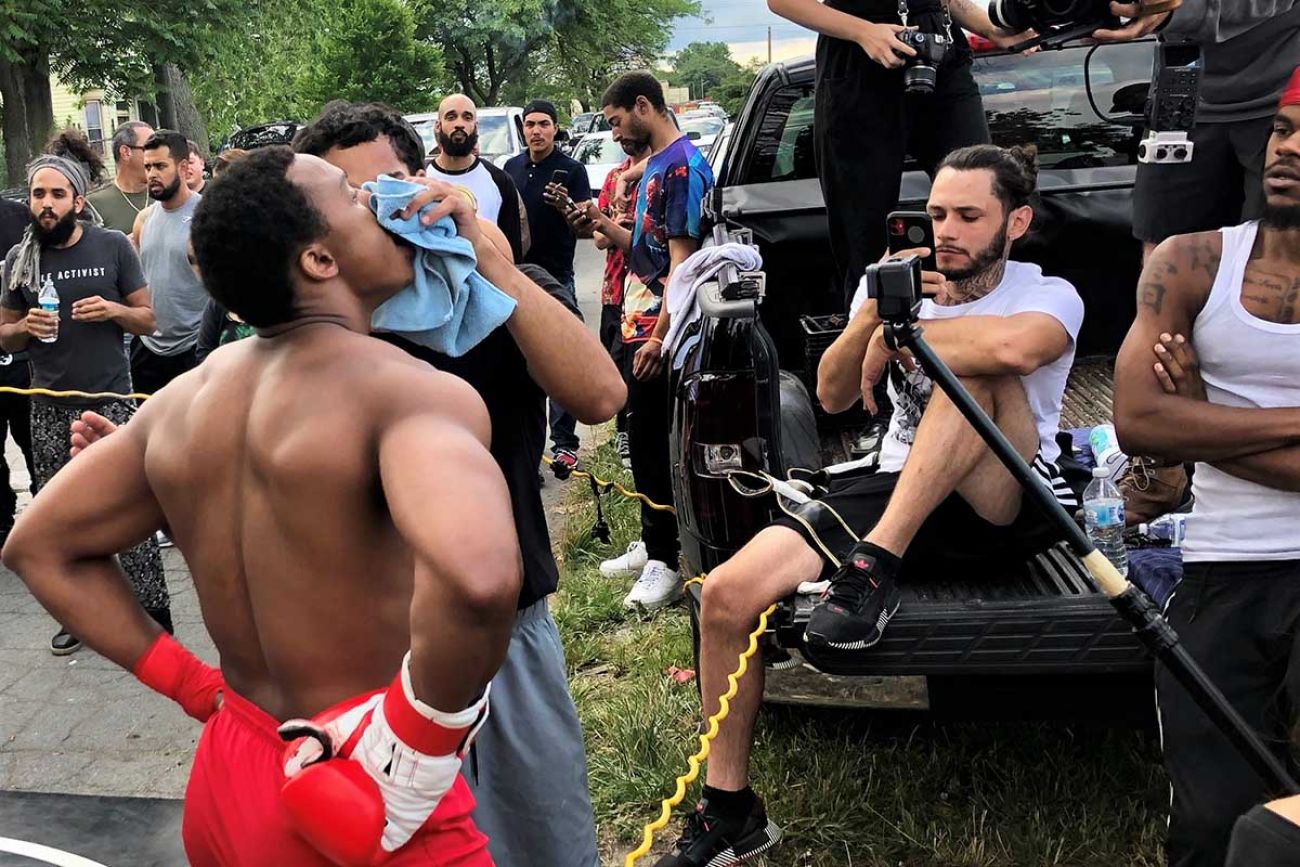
849	787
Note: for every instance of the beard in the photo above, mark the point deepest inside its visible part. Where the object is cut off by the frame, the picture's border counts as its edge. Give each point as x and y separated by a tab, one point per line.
57	234
167	192
454	147
981	262
1281	217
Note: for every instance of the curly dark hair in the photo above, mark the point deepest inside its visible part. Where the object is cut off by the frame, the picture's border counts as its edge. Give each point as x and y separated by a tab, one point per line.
72	144
348	124
628	86
247	264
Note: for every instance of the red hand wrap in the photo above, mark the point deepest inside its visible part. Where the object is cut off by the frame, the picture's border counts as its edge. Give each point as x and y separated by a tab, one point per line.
168	668
1291	95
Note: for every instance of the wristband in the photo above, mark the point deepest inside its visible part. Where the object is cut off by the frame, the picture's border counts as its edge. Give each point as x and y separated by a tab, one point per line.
168	668
426	729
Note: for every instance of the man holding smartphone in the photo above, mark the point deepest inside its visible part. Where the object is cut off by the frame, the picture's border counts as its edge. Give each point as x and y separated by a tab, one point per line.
551	182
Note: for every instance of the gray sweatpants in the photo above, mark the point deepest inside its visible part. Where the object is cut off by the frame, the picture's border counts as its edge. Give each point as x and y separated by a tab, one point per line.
528	766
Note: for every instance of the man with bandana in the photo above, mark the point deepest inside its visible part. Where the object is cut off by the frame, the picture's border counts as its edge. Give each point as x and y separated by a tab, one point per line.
102	294
1210	372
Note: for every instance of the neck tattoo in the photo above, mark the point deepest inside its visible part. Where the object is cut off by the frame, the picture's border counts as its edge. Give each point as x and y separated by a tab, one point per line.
976	286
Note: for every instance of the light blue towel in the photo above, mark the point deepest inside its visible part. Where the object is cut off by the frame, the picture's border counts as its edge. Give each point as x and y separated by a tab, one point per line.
450	308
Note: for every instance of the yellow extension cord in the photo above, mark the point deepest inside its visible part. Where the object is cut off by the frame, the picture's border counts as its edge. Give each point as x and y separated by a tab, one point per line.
98	395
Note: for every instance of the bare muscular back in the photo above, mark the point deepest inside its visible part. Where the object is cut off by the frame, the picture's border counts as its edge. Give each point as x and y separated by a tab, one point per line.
265	461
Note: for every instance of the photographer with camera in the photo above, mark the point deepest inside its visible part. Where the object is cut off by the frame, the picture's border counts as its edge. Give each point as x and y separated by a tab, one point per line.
940	500
893	78
1248	50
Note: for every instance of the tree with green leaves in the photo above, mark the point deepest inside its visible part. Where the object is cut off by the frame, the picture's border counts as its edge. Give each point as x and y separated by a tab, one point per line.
703	67
371	54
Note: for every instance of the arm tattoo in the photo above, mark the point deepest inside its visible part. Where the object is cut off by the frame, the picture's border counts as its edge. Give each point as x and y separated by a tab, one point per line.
1151	294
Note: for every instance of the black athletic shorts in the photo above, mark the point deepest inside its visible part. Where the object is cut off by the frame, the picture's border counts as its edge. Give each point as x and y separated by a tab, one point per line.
954	537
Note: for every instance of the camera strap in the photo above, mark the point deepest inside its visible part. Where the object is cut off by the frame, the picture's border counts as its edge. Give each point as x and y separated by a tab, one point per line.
947	16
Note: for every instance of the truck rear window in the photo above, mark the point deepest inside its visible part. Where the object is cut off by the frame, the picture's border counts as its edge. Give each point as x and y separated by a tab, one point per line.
1040	99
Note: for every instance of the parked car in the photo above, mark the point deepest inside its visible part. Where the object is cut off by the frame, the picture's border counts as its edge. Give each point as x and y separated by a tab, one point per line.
742	376
280	132
500	132
583	125
702	127
600	154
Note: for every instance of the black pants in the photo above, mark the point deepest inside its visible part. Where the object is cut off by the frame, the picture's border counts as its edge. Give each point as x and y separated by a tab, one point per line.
648	424
51	450
864	127
150	372
611	337
15	418
1241	622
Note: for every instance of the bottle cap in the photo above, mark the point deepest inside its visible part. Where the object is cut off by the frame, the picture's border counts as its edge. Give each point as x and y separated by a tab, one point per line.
1100	473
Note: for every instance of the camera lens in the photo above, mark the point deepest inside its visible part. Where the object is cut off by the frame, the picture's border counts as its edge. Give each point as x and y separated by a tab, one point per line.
920	78
1180	154
897	226
1009	15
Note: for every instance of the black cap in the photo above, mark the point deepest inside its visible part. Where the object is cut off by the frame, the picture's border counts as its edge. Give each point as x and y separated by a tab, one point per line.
542	106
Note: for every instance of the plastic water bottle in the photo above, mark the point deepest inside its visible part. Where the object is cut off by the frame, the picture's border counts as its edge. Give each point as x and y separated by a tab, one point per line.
1103	518
1167	528
1106	451
48	299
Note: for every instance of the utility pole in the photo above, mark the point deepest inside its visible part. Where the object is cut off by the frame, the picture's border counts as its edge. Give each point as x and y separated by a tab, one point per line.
769	43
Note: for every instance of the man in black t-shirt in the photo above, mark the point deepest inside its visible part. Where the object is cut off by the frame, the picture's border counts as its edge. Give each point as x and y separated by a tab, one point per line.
552	244
101	293
15	409
528	772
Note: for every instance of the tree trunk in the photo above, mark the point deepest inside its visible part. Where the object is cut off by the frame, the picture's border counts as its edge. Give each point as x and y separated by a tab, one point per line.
18	145
188	120
163	97
35	77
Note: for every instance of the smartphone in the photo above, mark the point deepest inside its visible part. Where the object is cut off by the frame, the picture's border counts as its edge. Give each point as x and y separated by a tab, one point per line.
559	176
905	230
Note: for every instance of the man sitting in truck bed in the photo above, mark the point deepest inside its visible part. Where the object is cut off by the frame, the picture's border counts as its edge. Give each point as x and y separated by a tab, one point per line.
940	502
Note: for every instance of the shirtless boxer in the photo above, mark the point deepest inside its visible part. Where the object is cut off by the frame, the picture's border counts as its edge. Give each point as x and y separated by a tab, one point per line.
349	535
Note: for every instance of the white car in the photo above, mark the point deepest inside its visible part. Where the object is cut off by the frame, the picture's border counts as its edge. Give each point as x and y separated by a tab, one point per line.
600	154
703	129
500	132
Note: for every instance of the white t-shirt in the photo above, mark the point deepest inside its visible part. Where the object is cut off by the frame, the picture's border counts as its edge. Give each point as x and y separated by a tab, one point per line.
1023	289
479	181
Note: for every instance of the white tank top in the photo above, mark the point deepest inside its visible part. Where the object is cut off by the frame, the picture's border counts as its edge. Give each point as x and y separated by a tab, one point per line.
1245	362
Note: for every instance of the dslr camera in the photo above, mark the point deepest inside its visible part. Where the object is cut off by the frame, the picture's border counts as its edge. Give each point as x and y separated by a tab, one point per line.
922	70
896	286
1044	15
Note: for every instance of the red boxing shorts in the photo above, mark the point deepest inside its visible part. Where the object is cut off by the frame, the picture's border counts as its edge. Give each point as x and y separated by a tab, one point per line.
233	816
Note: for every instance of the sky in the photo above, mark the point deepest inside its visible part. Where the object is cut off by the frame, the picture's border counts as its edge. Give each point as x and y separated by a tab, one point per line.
742	24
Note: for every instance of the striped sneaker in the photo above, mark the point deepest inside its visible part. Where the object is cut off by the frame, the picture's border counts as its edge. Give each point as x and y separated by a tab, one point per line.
712	840
856	608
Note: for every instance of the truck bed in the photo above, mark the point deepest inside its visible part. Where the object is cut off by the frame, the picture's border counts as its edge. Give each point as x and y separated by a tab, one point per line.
1028	618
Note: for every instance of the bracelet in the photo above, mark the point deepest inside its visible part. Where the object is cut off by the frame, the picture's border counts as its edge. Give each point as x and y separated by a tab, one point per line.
658	340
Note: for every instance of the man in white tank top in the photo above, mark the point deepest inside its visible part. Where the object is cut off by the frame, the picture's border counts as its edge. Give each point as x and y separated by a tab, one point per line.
1210	372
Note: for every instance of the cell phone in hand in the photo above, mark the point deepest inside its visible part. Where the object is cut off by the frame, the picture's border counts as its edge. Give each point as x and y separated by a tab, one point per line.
905	230
559	176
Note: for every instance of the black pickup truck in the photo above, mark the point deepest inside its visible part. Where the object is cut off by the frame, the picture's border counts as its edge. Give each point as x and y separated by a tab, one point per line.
744	374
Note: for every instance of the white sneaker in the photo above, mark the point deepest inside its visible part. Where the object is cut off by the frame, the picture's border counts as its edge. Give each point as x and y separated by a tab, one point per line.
658	586
631	563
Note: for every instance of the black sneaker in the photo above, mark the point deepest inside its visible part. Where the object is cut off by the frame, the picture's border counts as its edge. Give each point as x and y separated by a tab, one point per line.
855	609
563	463
64	643
709	840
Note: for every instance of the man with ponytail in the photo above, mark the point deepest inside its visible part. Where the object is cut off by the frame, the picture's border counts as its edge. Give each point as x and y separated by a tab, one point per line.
940	500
